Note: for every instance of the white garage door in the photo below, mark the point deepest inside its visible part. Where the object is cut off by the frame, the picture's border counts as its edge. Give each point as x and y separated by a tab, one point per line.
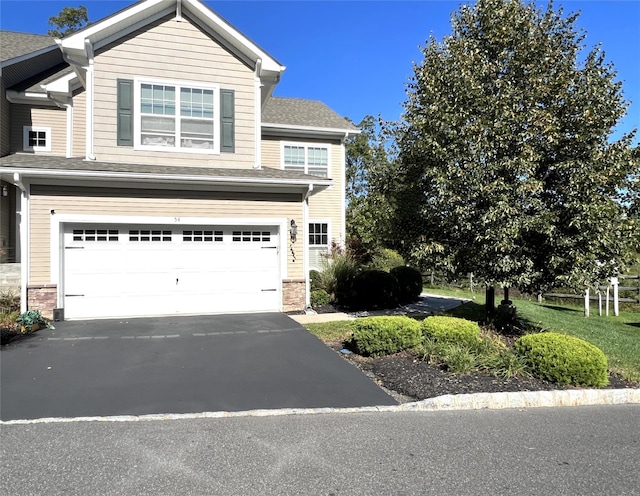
119	271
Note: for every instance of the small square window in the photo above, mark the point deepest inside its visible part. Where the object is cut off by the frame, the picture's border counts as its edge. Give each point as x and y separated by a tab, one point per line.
36	139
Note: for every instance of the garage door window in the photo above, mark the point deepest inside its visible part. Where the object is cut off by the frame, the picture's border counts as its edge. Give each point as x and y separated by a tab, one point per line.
251	236
202	236
95	235
149	235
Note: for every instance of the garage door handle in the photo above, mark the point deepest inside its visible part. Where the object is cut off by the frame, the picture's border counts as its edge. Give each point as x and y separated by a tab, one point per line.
269	289
72	295
269	247
74	247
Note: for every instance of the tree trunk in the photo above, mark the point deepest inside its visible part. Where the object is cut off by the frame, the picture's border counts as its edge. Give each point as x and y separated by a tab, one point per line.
490	304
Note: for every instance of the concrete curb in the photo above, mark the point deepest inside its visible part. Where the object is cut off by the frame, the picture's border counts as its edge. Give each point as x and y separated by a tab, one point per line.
476	401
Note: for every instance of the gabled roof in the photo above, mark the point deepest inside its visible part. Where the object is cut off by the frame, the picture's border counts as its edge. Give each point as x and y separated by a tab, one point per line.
17	45
77	46
289	114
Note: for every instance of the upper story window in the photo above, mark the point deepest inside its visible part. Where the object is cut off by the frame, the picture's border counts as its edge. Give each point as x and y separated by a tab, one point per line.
310	159
36	139
177	116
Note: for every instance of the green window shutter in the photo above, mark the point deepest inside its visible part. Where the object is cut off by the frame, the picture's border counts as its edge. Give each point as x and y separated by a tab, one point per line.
227	118
125	112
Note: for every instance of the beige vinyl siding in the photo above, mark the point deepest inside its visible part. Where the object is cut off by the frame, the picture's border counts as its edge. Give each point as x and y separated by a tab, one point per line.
53	117
328	203
79	123
175	51
270	151
5	121
152	203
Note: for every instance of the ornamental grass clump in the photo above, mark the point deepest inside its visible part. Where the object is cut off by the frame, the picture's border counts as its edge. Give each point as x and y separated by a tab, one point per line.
452	330
564	360
377	336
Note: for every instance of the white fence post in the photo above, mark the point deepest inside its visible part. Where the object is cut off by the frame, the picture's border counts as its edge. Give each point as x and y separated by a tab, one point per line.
616	306
607	306
586	302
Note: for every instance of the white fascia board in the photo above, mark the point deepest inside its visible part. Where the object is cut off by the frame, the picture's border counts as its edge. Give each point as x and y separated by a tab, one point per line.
233	36
22	58
94	31
291	130
61	85
29	97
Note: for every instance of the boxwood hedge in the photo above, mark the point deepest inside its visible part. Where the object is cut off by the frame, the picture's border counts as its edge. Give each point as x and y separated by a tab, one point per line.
563	359
377	336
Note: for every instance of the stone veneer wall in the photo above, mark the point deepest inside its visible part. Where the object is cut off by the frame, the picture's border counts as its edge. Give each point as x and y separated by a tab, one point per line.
293	295
42	298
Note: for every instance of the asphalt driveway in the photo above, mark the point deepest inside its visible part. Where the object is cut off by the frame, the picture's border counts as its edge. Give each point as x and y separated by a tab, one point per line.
176	365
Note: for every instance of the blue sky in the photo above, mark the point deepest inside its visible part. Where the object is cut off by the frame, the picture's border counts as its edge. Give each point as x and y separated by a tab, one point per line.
356	56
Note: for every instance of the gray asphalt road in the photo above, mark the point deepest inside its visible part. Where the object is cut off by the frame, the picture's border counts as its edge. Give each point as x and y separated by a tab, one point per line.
560	451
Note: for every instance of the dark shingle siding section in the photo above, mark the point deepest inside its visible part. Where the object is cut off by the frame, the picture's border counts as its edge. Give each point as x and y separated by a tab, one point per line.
39	162
17	44
304	113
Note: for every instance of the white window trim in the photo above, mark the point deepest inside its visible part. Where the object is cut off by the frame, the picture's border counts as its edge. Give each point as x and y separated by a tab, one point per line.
25	139
311	247
306	146
137	115
320	221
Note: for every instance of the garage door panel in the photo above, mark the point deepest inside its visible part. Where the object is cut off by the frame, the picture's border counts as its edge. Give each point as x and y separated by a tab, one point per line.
169	270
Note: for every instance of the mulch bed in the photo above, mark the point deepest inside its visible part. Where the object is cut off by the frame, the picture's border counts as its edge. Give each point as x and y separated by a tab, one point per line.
409	379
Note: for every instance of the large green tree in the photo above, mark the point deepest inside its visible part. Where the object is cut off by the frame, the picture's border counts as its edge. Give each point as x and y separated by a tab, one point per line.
69	20
506	163
368	177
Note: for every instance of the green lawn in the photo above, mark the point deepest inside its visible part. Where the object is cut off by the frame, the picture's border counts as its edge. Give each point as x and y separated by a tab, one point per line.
618	337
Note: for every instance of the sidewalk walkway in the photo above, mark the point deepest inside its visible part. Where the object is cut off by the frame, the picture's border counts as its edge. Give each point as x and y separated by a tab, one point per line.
428	304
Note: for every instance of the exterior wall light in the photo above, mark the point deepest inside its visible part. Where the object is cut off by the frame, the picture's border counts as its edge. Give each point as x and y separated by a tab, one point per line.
5	190
293	231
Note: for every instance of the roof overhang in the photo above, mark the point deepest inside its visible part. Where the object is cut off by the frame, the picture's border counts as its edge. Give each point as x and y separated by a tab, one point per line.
53	93
207	179
270	129
27	56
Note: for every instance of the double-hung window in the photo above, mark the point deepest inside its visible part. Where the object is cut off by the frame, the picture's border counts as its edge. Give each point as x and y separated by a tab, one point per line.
306	158
177	116
318	243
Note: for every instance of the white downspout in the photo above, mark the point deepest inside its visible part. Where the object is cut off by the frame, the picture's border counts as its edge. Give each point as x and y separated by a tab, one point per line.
24	240
305	246
343	193
257	84
90	103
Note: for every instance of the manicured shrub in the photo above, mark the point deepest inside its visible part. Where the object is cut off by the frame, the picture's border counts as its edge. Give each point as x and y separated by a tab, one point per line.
452	330
376	336
409	283
315	279
319	297
372	289
563	359
386	259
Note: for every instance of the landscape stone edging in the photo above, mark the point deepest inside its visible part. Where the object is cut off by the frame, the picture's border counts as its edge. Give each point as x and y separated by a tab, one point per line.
475	401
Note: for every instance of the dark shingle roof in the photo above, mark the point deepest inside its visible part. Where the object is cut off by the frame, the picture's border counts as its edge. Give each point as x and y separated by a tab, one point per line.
20	161
306	113
17	44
